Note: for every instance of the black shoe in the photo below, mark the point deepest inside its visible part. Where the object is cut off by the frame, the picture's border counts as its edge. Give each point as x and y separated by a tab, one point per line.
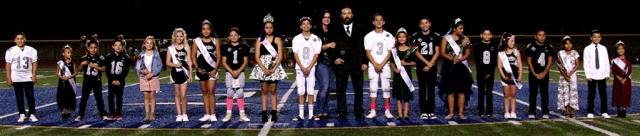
341	116
360	116
297	118
265	117
490	116
624	113
406	118
274	116
400	118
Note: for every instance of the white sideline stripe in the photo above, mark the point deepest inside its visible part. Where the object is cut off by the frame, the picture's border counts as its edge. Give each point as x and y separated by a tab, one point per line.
330	124
84	126
205	126
391	124
54	103
638	121
23	127
554	113
145	126
267	126
453	123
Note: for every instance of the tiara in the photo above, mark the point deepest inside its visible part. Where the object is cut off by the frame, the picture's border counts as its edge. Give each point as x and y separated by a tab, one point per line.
305	18
457	20
179	29
150	37
401	30
267	18
206	22
595	30
620	42
566	37
67	46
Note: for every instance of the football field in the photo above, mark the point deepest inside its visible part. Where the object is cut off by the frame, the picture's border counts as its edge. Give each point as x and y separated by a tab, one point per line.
133	113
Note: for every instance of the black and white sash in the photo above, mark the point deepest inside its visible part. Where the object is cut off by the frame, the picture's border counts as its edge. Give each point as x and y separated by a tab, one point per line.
204	52
270	48
622	65
456	50
174	59
507	67
67	72
403	72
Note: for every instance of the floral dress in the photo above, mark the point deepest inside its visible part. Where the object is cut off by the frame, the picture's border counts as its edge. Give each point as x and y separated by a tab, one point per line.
568	90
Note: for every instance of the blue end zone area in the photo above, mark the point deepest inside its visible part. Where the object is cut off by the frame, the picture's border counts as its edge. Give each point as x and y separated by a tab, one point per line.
133	111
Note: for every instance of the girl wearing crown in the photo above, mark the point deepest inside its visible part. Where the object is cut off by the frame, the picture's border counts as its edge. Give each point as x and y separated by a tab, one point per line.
66	95
621	69
268	55
206	55
403	59
568	64
456	76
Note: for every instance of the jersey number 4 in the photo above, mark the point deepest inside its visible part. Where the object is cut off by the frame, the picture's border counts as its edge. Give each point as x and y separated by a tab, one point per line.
542	60
23	63
116	67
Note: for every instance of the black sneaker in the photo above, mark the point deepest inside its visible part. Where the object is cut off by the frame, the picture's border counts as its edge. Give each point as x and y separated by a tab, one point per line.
265	117
490	116
274	116
297	118
406	118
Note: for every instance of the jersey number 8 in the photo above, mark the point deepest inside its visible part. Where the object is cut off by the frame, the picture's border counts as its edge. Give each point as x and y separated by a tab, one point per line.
486	58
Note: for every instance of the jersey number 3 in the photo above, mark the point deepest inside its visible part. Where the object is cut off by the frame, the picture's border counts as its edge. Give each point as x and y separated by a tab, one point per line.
116	67
541	60
486	57
23	62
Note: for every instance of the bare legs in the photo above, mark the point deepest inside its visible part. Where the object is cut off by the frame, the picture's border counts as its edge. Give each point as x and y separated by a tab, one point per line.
209	97
451	102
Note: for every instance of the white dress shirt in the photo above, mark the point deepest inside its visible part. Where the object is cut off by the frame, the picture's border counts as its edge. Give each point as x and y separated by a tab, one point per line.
350	25
589	61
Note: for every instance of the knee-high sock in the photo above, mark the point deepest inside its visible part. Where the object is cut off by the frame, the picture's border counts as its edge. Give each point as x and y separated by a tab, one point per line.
310	110
301	110
229	104
240	104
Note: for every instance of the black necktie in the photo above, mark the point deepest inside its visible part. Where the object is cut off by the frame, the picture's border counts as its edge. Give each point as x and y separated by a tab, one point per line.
597	58
348	32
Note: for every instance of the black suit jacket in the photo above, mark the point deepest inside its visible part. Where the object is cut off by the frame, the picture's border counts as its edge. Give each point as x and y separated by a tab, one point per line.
352	46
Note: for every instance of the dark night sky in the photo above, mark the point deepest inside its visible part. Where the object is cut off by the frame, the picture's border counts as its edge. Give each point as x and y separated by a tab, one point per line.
137	19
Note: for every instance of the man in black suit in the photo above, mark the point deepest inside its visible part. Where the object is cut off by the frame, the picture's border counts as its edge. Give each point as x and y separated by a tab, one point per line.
349	59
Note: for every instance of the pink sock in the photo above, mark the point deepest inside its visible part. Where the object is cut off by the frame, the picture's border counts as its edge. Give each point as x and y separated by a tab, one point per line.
387	106
229	104
373	106
240	103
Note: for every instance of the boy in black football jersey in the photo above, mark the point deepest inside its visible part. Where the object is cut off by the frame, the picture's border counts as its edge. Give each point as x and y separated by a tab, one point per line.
485	54
539	58
93	65
117	68
426	66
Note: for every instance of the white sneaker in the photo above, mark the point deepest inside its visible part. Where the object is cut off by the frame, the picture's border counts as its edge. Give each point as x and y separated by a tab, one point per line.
22	117
371	115
424	116
513	115
34	119
605	115
185	117
105	118
590	115
205	118
545	116
507	115
78	119
243	117
227	117
432	116
213	118
179	118
531	116
388	114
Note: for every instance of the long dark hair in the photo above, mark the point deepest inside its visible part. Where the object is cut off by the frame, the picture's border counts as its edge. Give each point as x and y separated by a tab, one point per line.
565	40
213	31
320	17
455	24
616	55
504	41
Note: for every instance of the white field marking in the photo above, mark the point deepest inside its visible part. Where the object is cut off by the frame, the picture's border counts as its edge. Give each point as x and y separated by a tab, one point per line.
391	124
267	126
246	94
23	127
453	123
189	103
46	84
330	124
84	126
54	103
205	126
515	122
144	126
557	114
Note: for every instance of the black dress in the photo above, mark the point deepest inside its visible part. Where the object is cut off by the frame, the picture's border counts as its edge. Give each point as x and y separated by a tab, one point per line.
513	62
202	62
180	77
66	95
455	78
400	89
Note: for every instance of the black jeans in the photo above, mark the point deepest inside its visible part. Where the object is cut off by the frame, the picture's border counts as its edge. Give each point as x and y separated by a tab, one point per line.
485	89
427	89
23	89
89	85
602	88
534	84
115	92
342	80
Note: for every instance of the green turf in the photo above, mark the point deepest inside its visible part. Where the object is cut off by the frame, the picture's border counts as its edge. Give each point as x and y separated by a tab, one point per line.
58	131
47	77
622	126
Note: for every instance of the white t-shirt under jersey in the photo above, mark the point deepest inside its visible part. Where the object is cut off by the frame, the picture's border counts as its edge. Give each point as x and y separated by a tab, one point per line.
21	62
379	44
306	48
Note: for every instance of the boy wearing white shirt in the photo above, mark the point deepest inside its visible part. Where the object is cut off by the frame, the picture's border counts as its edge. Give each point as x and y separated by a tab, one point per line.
306	48
378	45
21	66
597	69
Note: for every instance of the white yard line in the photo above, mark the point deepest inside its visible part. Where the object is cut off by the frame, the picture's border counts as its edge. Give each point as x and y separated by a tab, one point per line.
267	126
557	114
